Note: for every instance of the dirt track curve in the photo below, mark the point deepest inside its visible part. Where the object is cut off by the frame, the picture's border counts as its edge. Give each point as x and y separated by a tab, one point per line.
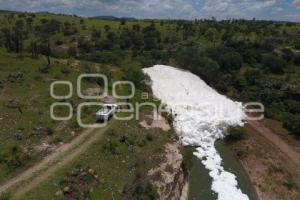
283	146
51	163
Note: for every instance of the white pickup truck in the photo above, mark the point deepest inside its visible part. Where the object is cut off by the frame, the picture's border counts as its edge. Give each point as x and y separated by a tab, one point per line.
106	112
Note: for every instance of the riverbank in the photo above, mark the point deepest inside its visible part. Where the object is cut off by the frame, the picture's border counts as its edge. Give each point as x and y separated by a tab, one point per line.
200	181
273	174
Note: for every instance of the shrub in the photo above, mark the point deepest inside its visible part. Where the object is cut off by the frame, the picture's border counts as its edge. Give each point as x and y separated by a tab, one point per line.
187	163
236	133
65	70
111	148
274	64
49	131
5	196
231	60
291	122
287	54
297	44
149	137
207	69
290	184
251	56
297	60
72	51
17	158
144	191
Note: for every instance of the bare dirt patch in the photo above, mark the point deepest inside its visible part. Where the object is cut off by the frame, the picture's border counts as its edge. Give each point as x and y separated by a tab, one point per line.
95	91
150	122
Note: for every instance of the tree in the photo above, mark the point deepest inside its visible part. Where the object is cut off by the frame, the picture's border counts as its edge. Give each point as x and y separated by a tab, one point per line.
72	51
287	54
231	60
236	133
29	21
96	34
7	35
291	122
274	63
297	44
211	35
208	70
126	39
34	49
14	37
251	56
48	28
297	60
189	58
123	22
151	37
106	28
137	40
292	106
44	48
81	21
84	45
136	27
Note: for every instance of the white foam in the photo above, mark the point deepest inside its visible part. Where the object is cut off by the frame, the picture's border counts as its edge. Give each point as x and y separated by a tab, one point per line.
201	116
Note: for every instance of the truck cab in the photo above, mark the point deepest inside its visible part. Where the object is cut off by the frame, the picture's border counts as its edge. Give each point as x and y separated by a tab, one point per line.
107	112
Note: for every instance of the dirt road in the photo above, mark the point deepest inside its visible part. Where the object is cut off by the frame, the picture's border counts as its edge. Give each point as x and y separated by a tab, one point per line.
59	158
283	146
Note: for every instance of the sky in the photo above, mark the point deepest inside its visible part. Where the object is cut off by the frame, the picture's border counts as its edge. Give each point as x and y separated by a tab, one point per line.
286	10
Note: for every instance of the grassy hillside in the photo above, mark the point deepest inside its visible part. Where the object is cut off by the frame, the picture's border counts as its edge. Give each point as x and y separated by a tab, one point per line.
246	60
26	124
25	107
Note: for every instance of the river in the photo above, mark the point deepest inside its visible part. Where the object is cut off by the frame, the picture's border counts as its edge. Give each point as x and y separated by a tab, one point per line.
200	181
201	118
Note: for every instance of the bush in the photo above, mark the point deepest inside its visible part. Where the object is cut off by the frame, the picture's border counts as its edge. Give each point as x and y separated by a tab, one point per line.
231	60
49	131
207	69
236	133
72	51
297	44
65	70
292	106
251	56
290	184
189	58
188	155
149	137
112	148
274	64
291	122
297	60
287	55
5	196
16	158
144	191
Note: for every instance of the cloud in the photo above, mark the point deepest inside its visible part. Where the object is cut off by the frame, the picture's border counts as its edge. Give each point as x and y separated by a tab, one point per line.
137	8
239	8
296	3
183	9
